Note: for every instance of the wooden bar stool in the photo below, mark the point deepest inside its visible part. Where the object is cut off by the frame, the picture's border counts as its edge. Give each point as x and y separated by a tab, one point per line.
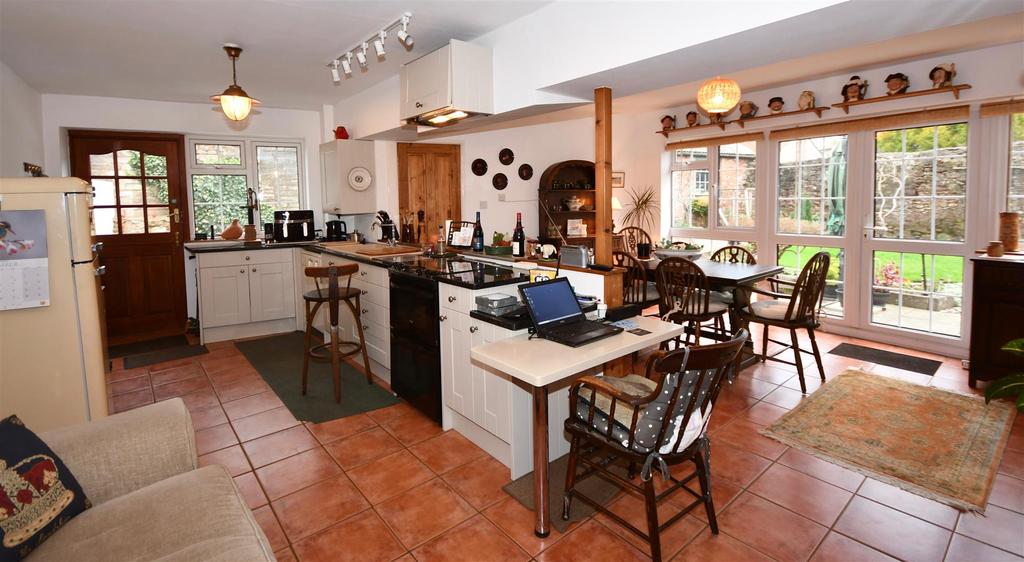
333	295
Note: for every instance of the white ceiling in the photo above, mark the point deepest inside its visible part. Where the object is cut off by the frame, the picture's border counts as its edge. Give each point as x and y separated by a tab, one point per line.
170	50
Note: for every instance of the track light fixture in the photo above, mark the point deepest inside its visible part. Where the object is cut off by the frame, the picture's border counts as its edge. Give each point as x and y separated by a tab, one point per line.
359	52
378	43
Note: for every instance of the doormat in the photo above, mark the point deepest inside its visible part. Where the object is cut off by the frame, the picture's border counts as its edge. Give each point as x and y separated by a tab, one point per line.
138	347
937	444
161	355
594	487
279	360
887	358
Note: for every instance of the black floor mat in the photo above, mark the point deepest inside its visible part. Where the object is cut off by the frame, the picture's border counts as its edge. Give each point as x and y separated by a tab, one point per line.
138	347
161	355
887	358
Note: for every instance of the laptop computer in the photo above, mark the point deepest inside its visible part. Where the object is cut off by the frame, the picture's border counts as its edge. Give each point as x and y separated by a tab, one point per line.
557	315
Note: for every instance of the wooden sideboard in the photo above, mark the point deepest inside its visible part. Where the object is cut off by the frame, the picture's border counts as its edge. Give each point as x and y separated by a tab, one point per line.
997	316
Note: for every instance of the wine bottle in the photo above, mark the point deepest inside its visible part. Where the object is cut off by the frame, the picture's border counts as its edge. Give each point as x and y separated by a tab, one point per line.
519	238
478	235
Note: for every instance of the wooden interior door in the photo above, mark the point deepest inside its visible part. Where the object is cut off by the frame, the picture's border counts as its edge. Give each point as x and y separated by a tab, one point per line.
429	179
139	214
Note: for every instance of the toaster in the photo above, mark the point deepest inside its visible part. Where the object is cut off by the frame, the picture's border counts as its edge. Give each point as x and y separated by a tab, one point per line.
576	256
293	226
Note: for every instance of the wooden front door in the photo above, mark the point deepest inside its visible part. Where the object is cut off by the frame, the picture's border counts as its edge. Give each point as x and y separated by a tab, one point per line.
139	215
429	180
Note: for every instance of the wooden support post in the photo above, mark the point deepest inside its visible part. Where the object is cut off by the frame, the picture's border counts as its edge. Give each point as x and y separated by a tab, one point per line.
603	175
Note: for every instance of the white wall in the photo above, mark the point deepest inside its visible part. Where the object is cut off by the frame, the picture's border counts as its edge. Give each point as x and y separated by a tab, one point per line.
21	124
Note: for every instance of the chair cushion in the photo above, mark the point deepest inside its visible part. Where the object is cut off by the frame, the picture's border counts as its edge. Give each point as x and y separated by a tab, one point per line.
324	294
774	309
197	515
38	493
722	296
632	384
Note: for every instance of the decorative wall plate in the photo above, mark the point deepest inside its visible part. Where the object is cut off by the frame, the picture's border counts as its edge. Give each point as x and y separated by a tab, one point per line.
479	167
359	178
506	156
525	172
500	181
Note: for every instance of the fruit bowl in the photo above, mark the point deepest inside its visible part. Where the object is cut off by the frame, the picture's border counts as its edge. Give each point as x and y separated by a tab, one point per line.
679	253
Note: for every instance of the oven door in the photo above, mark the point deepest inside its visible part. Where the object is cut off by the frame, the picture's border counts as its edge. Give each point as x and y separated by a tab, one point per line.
414	310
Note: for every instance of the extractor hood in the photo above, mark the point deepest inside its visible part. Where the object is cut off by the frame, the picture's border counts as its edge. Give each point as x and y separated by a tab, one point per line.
448	85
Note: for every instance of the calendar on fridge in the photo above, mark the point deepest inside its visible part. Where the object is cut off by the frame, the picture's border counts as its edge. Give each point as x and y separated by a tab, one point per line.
24	266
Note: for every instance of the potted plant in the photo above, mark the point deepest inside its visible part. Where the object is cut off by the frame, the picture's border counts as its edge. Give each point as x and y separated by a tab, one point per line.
499	246
1009	385
642	211
888	276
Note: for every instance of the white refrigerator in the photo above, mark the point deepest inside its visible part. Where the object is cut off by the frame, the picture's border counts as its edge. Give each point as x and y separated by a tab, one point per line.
52	340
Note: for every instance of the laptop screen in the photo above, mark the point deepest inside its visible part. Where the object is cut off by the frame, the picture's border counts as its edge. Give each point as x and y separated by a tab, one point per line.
551	301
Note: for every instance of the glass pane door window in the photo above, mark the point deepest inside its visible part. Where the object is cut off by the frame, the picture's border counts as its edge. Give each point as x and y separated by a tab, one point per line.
216	200
921	183
690	195
812	186
793	258
917	291
737	185
130	193
1015	191
277	169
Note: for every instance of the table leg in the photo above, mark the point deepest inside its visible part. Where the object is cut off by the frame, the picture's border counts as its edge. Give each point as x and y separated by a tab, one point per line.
540	462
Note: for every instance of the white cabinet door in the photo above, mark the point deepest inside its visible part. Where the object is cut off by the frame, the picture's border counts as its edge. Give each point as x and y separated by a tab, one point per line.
224	293
271	291
425	83
456	369
492	392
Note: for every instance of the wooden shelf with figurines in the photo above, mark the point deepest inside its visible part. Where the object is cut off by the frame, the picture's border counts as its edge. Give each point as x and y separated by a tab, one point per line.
748	112
897	86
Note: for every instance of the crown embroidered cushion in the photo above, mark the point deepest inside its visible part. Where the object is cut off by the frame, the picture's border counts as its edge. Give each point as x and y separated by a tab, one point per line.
38	494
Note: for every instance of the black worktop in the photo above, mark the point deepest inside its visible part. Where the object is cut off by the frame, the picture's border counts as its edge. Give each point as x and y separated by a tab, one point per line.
485	277
197	248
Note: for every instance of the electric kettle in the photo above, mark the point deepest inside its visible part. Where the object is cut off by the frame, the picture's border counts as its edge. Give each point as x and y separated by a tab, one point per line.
337	230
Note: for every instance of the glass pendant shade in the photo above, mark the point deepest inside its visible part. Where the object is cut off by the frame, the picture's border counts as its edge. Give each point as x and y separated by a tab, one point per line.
718	95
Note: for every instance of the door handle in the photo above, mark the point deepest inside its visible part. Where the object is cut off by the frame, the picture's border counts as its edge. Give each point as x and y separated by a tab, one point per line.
176	213
101	270
97	247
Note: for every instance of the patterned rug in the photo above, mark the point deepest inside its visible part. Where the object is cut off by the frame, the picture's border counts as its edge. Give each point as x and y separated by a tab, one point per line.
937	444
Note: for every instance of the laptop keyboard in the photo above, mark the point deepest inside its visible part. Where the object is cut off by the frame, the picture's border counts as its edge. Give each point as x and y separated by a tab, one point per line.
577	328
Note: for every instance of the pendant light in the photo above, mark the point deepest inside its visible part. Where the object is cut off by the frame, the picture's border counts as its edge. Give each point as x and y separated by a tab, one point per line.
234	102
718	95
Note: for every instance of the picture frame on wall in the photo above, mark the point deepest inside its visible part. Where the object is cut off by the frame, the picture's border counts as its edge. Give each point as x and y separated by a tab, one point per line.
618	180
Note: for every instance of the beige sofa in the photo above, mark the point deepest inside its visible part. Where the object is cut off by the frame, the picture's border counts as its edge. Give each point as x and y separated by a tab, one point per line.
150	502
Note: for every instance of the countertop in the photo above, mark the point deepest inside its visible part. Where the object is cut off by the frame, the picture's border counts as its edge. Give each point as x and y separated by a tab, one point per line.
515	324
201	247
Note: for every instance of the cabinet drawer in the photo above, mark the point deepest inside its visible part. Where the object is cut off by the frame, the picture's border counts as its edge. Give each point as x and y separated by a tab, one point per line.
373	293
372	274
373	312
331	259
221	259
456	299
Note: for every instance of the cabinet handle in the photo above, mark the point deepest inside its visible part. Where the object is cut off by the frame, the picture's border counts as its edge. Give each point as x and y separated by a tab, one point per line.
362	292
473	329
443	318
365	327
451	299
419	104
254	269
365	311
247	258
241	270
362	273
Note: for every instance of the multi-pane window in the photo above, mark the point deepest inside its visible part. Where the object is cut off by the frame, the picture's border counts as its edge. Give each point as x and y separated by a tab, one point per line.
690	179
222	172
793	258
921	183
737	184
812	186
915	291
130	194
1015	194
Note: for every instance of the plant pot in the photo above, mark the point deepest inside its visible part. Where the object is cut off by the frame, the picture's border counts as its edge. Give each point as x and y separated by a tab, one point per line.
643	250
498	250
879	297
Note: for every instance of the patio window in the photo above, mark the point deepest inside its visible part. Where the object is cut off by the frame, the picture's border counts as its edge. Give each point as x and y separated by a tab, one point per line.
812	186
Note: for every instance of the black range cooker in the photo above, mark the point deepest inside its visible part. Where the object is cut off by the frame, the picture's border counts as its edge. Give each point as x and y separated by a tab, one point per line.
415	320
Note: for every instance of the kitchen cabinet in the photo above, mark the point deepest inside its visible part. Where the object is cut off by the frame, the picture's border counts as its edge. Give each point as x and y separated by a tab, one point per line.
348	176
245	294
456	376
458	76
997	297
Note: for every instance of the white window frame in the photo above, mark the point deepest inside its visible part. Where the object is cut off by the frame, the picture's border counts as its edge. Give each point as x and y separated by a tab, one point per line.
248	168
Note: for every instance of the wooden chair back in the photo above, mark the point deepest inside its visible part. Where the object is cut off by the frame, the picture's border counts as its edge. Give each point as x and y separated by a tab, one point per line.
809	289
456	227
682	287
734	254
633	235
331	273
634	280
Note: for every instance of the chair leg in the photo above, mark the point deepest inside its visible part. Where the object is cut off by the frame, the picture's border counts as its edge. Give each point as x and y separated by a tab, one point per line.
703	462
305	356
796	359
336	363
570	477
817	354
764	344
651	503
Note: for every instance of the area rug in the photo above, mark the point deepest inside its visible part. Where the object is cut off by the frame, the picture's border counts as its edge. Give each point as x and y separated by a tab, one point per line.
936	444
887	358
594	487
279	360
161	355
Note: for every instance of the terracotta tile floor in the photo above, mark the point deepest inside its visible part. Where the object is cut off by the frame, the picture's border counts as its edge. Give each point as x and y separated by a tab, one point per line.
389	484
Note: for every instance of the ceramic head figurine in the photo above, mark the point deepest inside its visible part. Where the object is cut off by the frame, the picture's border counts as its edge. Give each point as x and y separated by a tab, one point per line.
854	89
776	104
692	119
715	118
942	75
748	109
668	122
806	100
896	83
